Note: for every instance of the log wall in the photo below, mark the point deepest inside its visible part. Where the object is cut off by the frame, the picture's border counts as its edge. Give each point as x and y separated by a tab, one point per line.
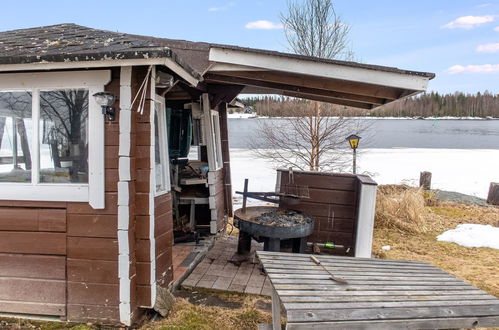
162	214
92	243
61	259
32	259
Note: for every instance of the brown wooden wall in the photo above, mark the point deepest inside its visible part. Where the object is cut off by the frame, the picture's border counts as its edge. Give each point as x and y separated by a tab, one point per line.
163	221
33	258
62	258
332	204
92	244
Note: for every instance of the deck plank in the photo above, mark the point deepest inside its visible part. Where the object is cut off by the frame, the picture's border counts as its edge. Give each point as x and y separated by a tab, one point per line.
386	304
391	313
387	298
424	323
379	294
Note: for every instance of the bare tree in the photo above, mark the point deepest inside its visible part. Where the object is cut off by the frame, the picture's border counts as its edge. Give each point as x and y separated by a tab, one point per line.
314	29
311	138
308	138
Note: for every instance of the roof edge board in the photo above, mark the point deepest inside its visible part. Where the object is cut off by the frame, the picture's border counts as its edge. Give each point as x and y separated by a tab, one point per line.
313	68
44	66
220	67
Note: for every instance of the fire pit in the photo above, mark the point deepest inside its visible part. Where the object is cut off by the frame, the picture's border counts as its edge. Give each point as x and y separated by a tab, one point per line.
271	225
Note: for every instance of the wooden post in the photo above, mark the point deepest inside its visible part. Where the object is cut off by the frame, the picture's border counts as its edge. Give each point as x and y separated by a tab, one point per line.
244	195
493	197
425	180
276	310
354	170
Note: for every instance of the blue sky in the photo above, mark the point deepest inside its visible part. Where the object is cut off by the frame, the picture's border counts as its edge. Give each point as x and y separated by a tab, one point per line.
458	40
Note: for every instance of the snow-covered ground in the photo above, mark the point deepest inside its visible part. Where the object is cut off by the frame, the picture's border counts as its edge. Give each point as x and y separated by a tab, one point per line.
254	115
472	235
242	115
468	171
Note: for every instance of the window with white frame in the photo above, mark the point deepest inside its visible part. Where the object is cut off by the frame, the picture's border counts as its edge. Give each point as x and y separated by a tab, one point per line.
217	143
52	136
161	166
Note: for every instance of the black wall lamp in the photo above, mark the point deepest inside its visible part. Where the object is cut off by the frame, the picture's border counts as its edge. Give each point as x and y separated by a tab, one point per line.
105	100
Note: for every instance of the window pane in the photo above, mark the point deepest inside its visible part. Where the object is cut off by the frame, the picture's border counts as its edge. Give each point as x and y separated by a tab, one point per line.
64	136
15	136
158	167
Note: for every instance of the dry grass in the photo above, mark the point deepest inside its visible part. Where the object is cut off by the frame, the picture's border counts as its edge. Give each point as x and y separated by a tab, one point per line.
477	266
402	208
186	315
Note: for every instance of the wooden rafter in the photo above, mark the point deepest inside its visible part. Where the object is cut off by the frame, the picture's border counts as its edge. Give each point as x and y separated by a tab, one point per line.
328	100
296	89
335	85
289	90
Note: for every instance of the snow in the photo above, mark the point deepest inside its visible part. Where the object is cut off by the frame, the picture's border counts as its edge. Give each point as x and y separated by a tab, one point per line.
468	171
252	115
472	235
242	115
260	172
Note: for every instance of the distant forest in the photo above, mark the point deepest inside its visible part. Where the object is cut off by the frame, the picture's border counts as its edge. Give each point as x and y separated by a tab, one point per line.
424	105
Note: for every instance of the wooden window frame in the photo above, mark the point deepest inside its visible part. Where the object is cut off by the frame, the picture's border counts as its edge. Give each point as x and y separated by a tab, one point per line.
93	192
163	145
217	139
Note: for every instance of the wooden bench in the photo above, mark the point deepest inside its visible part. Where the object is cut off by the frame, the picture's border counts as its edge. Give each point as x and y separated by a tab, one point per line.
379	294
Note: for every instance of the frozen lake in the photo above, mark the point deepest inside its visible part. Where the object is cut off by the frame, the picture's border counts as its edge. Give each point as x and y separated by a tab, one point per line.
463	155
399	133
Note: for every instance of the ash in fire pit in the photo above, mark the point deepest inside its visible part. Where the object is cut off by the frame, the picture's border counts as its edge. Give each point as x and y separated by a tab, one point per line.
282	218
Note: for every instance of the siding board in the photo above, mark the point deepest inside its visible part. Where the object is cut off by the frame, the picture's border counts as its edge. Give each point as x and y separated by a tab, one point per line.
32	290
92	271
93	294
33	308
92	248
93	313
92	225
32	219
32	266
33	243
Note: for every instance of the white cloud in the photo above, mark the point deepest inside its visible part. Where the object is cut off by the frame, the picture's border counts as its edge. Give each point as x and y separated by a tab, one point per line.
484	68
488	48
263	25
469	22
496	29
222	8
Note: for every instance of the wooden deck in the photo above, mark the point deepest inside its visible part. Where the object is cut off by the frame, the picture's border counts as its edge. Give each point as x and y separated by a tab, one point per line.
379	294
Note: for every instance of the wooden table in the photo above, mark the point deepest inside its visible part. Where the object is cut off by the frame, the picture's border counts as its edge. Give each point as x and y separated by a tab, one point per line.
379	294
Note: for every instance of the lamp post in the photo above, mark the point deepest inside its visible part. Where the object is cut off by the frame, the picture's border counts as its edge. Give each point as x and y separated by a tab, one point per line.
353	140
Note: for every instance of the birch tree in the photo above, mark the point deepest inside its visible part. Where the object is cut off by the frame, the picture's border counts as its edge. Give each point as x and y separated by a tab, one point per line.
311	139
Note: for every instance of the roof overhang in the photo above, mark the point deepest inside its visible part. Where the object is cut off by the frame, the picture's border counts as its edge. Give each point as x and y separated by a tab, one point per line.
344	83
172	64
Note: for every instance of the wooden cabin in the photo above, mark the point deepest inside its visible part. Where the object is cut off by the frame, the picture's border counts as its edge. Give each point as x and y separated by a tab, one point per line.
108	141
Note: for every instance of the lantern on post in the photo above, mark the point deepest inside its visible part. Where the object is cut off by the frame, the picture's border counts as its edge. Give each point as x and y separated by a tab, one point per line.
353	140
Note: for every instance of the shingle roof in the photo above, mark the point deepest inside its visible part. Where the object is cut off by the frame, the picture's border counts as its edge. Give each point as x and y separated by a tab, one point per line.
71	42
